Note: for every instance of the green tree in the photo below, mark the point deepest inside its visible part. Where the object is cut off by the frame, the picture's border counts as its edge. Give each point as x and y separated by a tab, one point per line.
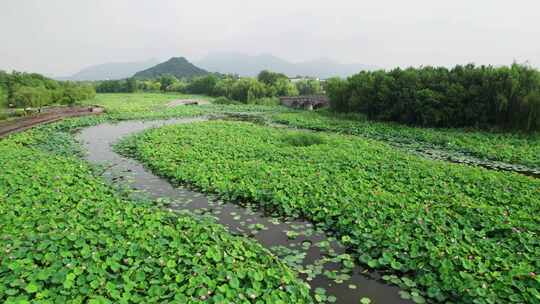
464	96
3	97
247	89
179	87
131	85
224	87
34	97
202	85
165	81
282	87
270	78
337	92
309	87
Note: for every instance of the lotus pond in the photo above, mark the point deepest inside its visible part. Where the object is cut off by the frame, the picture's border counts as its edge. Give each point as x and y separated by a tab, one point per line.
461	234
66	236
69	233
512	148
318	257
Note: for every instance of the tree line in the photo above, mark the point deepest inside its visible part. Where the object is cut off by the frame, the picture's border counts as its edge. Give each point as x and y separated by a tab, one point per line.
464	96
241	89
24	90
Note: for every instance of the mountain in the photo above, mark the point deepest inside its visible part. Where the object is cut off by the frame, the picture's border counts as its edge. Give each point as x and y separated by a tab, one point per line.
246	65
176	66
115	70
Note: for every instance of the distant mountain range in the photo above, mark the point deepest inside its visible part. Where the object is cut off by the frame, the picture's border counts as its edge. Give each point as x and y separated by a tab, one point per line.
247	65
225	63
176	66
110	71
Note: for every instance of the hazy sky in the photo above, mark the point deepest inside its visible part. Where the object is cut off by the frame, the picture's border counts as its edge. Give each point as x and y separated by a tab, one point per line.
58	37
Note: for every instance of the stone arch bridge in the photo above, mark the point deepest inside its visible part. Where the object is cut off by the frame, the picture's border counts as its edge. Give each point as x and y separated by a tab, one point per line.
305	102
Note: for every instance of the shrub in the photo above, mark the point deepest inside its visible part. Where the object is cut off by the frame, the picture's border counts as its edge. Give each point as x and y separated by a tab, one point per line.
24	97
303	139
19	112
72	93
34	90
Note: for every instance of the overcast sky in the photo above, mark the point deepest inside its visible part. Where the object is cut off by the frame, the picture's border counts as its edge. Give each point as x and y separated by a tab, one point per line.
59	37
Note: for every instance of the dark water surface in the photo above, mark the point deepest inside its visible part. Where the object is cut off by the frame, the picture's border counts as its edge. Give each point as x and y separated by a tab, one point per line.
298	243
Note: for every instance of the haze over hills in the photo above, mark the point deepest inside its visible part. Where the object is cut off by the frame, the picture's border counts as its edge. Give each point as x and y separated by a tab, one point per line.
176	66
247	65
220	62
111	71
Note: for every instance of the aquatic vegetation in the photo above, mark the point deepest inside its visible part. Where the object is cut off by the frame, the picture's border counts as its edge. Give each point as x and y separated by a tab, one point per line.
303	139
513	148
458	233
124	106
67	237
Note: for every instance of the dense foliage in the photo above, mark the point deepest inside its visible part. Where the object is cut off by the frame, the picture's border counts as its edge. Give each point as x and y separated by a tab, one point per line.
507	97
268	77
309	87
3	97
245	90
130	85
522	149
201	85
34	90
66	237
466	234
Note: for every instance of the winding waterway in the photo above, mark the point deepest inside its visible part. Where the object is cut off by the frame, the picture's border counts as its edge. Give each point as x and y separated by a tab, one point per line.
299	243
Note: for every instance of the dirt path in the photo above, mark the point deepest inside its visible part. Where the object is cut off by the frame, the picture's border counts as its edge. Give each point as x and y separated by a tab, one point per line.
52	115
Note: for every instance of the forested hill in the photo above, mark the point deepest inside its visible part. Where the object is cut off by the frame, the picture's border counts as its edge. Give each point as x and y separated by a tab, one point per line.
176	66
